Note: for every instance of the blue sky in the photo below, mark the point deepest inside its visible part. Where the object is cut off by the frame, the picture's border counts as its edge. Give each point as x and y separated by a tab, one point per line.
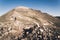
49	6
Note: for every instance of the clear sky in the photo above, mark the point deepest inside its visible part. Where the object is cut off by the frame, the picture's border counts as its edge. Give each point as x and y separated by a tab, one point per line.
49	6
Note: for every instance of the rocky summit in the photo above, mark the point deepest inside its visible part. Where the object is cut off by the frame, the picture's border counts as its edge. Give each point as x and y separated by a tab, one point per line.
23	23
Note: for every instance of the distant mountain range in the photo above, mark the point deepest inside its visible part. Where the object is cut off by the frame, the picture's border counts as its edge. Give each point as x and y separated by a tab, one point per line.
15	22
57	17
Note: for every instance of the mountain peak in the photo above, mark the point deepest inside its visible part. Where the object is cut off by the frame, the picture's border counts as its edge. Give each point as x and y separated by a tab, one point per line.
22	23
21	7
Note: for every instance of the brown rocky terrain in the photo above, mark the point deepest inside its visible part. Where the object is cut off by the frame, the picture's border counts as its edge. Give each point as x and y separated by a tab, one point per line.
24	23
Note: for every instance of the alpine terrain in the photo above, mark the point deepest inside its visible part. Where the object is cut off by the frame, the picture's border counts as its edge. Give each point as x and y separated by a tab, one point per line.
23	23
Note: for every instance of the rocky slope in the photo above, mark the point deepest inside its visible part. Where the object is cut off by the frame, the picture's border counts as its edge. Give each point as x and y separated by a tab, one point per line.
24	23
